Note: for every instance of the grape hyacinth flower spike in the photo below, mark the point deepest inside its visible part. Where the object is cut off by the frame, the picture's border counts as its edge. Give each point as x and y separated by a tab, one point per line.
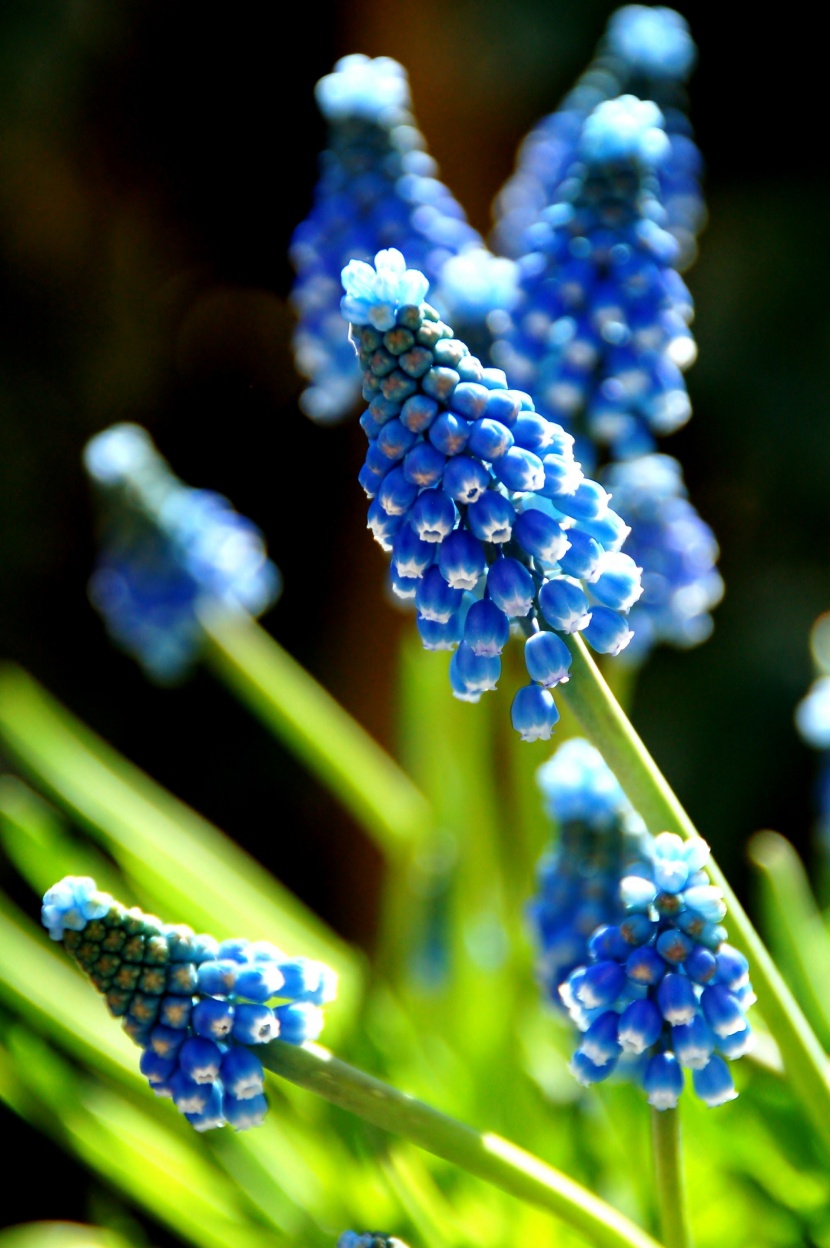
165	547
378	188
578	879
197	1008
661	991
646	52
488	517
676	550
369	1239
600	330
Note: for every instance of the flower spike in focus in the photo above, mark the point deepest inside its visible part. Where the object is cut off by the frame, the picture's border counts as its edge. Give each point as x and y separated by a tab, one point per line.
488	517
196	1007
165	547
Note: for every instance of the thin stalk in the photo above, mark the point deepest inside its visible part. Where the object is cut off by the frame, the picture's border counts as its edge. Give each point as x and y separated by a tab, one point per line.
308	720
668	1176
603	721
487	1156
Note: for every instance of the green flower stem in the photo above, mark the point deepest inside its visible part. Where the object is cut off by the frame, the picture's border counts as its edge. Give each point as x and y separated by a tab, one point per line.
487	1156
596	709
668	1174
320	732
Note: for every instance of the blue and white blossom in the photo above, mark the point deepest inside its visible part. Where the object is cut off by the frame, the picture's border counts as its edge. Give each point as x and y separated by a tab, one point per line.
165	547
378	188
646	52
600	331
661	991
196	1007
478	499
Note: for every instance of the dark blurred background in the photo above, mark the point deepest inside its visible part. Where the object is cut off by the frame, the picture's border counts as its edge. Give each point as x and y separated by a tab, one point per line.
154	159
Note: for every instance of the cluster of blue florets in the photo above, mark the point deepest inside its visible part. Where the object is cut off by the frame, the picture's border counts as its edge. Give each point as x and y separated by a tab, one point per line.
661	991
197	1007
647	52
578	879
369	1239
488	517
378	188
166	547
676	550
600	333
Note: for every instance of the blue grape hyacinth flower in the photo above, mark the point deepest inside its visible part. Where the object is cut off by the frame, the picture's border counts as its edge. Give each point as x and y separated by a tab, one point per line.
646	52
661	991
378	188
600	332
368	1239
478	498
676	550
578	879
197	1007
165	547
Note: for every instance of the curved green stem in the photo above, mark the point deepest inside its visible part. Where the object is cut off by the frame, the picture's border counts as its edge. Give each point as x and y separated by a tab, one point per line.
309	721
593	704
668	1174
488	1156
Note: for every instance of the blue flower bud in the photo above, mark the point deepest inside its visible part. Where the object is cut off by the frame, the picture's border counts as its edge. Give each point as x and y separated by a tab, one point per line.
449	433
410	555
607	631
200	1059
212	1115
212	1018
693	1043
465	479
722	1010
713	1083
486	628
254	1024
188	1096
395	494
599	1043
218	978
618	583
424	465
676	999
581	559
299	1022
511	587
663	1081
418	412
533	713
433	515
547	658
541	536
491	518
242	1114
645	966
520	470
435	599
259	983
601	984
472	673
640	1026
461	560
383	525
156	1069
564	605
440	635
489	439
242	1073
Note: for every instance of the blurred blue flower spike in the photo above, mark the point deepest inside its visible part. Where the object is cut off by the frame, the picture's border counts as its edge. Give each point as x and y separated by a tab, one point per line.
812	717
676	550
369	1239
166	546
488	517
378	188
646	52
600	331
660	991
578	880
196	1007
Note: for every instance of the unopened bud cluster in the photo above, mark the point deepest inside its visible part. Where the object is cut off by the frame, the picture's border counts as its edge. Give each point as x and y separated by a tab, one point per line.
197	1007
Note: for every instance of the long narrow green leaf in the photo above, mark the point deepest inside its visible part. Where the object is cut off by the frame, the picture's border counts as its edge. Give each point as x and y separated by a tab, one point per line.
201	876
603	721
320	732
795	926
156	1170
60	1235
